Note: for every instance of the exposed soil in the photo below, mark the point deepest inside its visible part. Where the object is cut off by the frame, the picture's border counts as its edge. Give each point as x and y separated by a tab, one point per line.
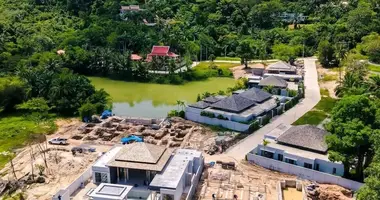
241	71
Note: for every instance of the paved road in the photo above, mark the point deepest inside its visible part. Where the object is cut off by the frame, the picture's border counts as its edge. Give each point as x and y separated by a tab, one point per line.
312	97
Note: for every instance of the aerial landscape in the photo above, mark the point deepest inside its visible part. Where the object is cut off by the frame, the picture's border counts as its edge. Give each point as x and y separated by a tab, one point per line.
190	100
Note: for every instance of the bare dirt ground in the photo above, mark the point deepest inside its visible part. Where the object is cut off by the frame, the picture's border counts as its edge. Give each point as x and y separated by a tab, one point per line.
241	71
63	168
247	181
328	79
251	181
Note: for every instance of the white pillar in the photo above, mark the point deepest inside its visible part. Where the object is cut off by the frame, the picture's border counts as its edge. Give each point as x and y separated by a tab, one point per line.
117	173
125	175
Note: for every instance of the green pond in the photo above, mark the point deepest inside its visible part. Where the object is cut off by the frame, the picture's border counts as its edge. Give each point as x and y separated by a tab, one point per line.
155	100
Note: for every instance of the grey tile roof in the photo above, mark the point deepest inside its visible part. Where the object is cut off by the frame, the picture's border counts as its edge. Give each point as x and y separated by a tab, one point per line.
274	81
200	105
214	99
140	155
234	103
281	66
255	94
306	137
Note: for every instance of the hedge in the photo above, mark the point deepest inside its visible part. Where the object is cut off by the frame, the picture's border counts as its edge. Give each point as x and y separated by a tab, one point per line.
207	114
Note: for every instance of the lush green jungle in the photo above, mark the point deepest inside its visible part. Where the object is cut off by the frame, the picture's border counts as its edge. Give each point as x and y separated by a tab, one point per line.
49	47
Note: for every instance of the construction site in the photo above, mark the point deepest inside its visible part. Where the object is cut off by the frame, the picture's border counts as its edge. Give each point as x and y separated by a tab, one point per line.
39	171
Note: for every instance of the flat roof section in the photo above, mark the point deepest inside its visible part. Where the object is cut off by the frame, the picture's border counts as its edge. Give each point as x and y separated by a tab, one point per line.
105	158
111	191
278	131
177	166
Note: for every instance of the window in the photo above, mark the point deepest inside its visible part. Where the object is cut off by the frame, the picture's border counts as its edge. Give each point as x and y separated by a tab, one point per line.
316	167
280	157
98	178
267	154
290	161
308	165
101	177
334	170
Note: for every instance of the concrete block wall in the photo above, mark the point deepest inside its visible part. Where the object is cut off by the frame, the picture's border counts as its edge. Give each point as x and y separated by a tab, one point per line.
302	172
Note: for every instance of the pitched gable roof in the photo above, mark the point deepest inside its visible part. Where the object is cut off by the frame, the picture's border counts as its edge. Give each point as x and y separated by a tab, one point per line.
306	137
160	50
281	66
141	155
274	81
255	94
200	104
234	103
214	99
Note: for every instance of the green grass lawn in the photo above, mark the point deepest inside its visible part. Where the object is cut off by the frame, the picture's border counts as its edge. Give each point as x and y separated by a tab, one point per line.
228	58
131	92
313	117
320	112
374	68
326	104
324	92
16	130
205	69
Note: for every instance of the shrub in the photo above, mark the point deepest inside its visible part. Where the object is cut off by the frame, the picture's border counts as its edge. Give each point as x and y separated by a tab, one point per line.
208	114
266	119
40	168
288	105
222	117
292	93
87	110
254	126
175	113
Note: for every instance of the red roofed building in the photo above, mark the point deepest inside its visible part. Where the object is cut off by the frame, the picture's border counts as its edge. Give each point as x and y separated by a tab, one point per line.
135	57
161	51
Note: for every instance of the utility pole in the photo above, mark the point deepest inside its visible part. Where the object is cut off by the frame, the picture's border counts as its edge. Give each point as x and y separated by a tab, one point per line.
342	50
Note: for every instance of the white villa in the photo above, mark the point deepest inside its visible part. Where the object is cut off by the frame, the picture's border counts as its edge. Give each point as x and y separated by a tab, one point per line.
303	146
146	171
237	111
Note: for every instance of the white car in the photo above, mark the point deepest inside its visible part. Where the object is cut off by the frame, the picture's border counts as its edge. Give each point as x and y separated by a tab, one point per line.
60	141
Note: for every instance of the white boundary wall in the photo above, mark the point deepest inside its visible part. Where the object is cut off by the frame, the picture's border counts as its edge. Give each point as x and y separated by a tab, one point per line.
66	193
302	172
217	122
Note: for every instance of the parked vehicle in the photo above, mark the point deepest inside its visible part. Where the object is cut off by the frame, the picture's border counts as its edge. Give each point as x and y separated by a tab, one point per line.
83	148
60	141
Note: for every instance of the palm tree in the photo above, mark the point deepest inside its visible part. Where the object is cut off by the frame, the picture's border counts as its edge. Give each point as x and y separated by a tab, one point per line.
374	85
182	104
178	104
265	144
350	80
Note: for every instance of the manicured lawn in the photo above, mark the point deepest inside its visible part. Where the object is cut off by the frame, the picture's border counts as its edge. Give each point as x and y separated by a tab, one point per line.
326	104
228	58
16	130
313	117
374	68
320	112
220	69
132	92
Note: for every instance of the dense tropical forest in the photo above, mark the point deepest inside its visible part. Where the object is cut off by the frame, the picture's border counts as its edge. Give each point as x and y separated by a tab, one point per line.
48	47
